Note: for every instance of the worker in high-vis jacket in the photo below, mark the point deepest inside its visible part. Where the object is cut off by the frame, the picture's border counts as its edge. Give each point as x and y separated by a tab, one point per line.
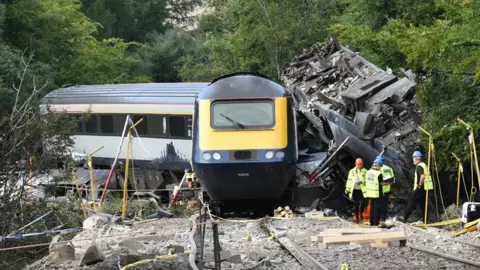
356	189
374	191
422	182
388	179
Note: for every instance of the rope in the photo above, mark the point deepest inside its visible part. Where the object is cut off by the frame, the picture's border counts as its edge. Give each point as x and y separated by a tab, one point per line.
143	262
140	140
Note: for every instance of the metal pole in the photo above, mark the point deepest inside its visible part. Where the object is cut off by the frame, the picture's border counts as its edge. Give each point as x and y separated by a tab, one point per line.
471	140
78	188
35	220
428	167
115	161
92	179
216	247
125	182
458	178
314	174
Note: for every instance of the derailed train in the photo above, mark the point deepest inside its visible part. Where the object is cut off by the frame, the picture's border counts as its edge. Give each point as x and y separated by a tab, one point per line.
244	133
244	138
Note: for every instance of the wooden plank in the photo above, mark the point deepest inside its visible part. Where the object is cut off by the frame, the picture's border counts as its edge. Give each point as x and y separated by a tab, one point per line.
319	237
379	244
353	230
365	238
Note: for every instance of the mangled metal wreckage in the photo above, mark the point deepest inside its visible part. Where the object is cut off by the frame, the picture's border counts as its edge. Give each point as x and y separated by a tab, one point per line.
341	95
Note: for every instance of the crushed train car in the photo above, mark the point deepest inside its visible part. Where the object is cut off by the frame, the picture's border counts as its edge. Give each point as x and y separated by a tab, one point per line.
340	94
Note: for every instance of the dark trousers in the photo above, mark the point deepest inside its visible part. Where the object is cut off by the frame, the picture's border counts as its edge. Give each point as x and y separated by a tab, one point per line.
418	198
375	204
384	206
359	204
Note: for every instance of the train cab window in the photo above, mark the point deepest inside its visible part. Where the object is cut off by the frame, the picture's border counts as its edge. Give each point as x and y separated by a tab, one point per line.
142	128
91	126
177	126
106	124
243	114
158	125
119	123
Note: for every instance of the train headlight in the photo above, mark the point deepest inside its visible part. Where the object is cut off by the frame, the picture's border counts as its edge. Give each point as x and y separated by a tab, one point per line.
216	156
206	156
269	154
279	154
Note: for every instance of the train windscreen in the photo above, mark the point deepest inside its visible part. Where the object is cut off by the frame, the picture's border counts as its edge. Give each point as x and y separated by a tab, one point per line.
251	114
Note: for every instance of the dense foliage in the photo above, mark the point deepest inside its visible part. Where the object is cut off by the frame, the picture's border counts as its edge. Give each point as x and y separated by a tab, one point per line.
105	41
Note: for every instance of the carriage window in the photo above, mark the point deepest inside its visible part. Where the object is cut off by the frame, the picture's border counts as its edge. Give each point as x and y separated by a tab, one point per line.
77	118
177	126
158	125
106	124
91	124
142	128
189	126
119	123
243	114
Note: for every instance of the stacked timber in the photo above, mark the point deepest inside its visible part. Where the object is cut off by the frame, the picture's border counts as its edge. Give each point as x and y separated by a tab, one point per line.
285	212
376	237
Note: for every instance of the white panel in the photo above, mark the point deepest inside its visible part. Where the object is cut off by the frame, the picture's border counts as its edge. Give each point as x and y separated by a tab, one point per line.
153	147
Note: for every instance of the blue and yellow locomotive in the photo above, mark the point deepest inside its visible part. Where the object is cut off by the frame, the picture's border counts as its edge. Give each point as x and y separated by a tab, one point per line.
244	138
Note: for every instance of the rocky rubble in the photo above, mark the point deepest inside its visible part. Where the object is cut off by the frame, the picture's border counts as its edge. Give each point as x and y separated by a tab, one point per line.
245	245
105	245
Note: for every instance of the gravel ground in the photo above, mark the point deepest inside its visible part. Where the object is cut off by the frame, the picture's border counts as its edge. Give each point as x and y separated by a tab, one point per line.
235	239
244	245
367	257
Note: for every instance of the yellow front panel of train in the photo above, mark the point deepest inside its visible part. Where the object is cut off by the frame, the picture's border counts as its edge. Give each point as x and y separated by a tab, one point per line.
214	139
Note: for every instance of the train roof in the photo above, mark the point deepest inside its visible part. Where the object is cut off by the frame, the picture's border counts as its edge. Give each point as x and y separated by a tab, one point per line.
146	93
243	85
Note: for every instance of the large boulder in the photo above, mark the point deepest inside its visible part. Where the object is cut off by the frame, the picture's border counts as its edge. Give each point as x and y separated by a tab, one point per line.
92	256
60	254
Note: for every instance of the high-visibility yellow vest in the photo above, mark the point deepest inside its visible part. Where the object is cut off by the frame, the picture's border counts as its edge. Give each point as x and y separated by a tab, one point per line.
372	184
427	182
352	178
387	174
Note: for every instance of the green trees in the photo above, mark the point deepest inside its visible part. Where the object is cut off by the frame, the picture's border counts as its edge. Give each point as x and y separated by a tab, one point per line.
440	41
256	35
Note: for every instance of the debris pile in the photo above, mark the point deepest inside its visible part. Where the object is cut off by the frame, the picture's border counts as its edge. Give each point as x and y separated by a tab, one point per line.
103	244
339	94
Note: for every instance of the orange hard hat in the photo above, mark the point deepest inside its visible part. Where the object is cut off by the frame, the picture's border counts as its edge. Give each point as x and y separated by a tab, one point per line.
359	163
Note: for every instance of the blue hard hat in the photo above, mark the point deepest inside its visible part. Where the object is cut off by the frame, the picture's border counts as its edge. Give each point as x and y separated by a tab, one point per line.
417	154
378	160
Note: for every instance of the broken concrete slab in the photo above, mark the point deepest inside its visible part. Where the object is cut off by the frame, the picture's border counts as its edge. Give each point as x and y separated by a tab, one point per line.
133	245
55	240
95	222
92	256
60	254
